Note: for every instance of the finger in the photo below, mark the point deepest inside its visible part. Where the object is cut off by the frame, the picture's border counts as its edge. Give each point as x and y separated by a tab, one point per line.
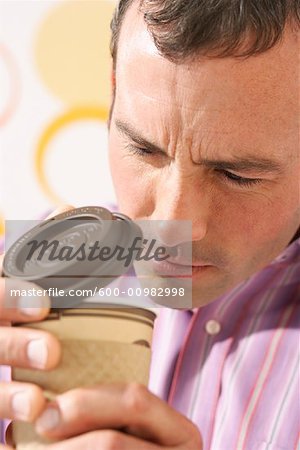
115	406
22	301
5	447
28	348
59	210
21	401
105	440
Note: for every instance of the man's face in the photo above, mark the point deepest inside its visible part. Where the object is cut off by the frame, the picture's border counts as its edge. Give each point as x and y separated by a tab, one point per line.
224	153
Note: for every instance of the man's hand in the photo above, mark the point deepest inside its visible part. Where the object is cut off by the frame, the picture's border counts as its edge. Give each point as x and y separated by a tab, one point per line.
24	347
120	417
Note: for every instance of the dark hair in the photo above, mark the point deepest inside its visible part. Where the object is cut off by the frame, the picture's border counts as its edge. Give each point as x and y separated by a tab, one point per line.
182	28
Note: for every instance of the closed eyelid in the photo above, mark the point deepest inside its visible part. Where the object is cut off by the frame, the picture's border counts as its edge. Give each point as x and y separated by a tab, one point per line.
238	180
237	175
241	165
138	149
133	136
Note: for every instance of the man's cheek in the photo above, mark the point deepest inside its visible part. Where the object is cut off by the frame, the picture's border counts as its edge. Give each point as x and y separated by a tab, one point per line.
119	172
244	220
132	196
270	230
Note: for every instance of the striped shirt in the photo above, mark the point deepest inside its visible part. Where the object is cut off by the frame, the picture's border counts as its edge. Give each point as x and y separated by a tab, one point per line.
232	367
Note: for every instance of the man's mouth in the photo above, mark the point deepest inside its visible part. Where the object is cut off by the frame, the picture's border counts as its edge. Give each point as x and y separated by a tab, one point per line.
180	268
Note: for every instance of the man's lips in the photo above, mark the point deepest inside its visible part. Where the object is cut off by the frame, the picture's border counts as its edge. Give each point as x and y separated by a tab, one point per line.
182	268
186	263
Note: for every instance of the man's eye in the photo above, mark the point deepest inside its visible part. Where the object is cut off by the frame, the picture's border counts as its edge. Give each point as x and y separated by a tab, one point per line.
240	181
139	150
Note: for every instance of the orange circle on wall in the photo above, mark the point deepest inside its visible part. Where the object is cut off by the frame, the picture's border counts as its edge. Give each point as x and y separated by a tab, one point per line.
76	114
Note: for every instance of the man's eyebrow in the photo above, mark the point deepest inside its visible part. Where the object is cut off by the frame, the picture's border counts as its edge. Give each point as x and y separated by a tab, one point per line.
128	131
242	164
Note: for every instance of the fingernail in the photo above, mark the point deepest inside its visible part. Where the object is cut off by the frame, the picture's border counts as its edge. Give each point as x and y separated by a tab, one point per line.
33	306
21	404
48	420
37	352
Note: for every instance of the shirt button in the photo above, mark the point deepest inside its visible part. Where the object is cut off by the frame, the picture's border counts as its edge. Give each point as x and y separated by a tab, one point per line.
212	327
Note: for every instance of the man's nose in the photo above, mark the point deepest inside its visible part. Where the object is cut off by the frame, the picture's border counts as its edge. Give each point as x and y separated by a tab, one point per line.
181	210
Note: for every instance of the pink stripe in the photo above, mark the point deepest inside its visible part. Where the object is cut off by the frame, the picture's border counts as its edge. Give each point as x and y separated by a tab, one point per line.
280	323
181	356
222	309
266	303
235	332
188	335
297	442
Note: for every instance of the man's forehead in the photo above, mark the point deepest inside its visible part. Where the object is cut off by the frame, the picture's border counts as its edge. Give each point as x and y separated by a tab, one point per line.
134	33
257	96
135	37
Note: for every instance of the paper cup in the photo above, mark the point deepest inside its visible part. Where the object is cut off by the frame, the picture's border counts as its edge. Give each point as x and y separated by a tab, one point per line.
100	345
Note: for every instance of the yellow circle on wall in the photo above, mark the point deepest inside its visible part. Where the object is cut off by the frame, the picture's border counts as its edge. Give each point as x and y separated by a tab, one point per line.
74	115
72	51
2	227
